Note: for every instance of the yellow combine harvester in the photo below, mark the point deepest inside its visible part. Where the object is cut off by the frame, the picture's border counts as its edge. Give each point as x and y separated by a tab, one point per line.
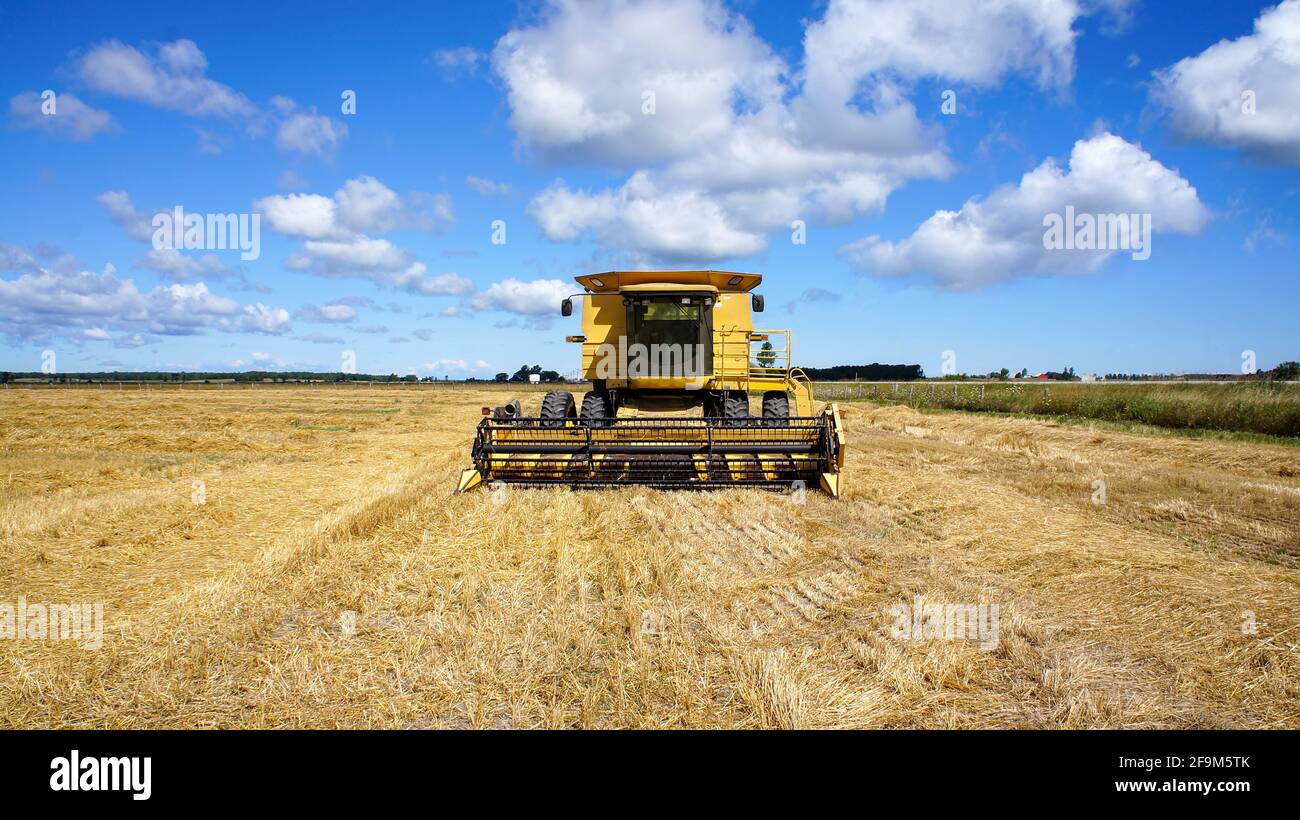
656	342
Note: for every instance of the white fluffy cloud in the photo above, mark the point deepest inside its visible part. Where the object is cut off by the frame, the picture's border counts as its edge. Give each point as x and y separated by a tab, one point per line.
330	257
306	215
1001	236
258	318
307	132
310	133
971	42
1242	93
539	297
169	262
363	205
173	77
738	145
123	213
367	205
177	266
336	232
14	258
671	224
575	82
71	118
417	280
46	303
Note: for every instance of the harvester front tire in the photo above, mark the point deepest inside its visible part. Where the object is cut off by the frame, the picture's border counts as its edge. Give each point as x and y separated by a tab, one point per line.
556	407
735	408
776	405
597	407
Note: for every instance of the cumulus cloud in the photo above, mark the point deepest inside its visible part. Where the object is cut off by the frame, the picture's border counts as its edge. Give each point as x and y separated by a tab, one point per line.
539	297
1242	93
416	279
1002	236
70	118
377	260
123	213
338	313
336	232
258	318
169	262
175	265
723	142
185	309
971	42
172	77
306	215
330	257
310	133
307	132
13	257
569	100
45	303
363	205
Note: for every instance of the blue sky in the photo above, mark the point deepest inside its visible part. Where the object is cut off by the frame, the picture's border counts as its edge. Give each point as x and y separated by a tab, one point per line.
923	227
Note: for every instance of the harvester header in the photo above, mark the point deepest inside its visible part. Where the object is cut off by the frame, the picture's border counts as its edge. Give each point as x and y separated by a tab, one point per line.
673	360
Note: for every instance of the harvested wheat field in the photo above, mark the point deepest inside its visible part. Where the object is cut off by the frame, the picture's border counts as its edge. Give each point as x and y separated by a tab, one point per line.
329	579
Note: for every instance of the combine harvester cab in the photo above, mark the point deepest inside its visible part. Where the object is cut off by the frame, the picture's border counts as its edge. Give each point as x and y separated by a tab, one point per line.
672	361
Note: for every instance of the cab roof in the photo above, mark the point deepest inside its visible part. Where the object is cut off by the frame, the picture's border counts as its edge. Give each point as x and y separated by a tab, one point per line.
649	280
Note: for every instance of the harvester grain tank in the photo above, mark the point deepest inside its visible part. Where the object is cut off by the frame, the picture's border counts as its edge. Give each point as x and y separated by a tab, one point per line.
673	359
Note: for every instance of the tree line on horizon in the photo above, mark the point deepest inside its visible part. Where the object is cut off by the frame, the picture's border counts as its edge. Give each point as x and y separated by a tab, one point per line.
874	372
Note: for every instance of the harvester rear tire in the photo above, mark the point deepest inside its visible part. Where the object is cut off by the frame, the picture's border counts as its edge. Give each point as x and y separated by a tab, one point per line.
597	407
776	405
556	407
735	408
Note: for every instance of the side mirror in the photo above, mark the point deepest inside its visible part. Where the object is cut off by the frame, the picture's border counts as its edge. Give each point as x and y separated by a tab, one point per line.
566	307
757	300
